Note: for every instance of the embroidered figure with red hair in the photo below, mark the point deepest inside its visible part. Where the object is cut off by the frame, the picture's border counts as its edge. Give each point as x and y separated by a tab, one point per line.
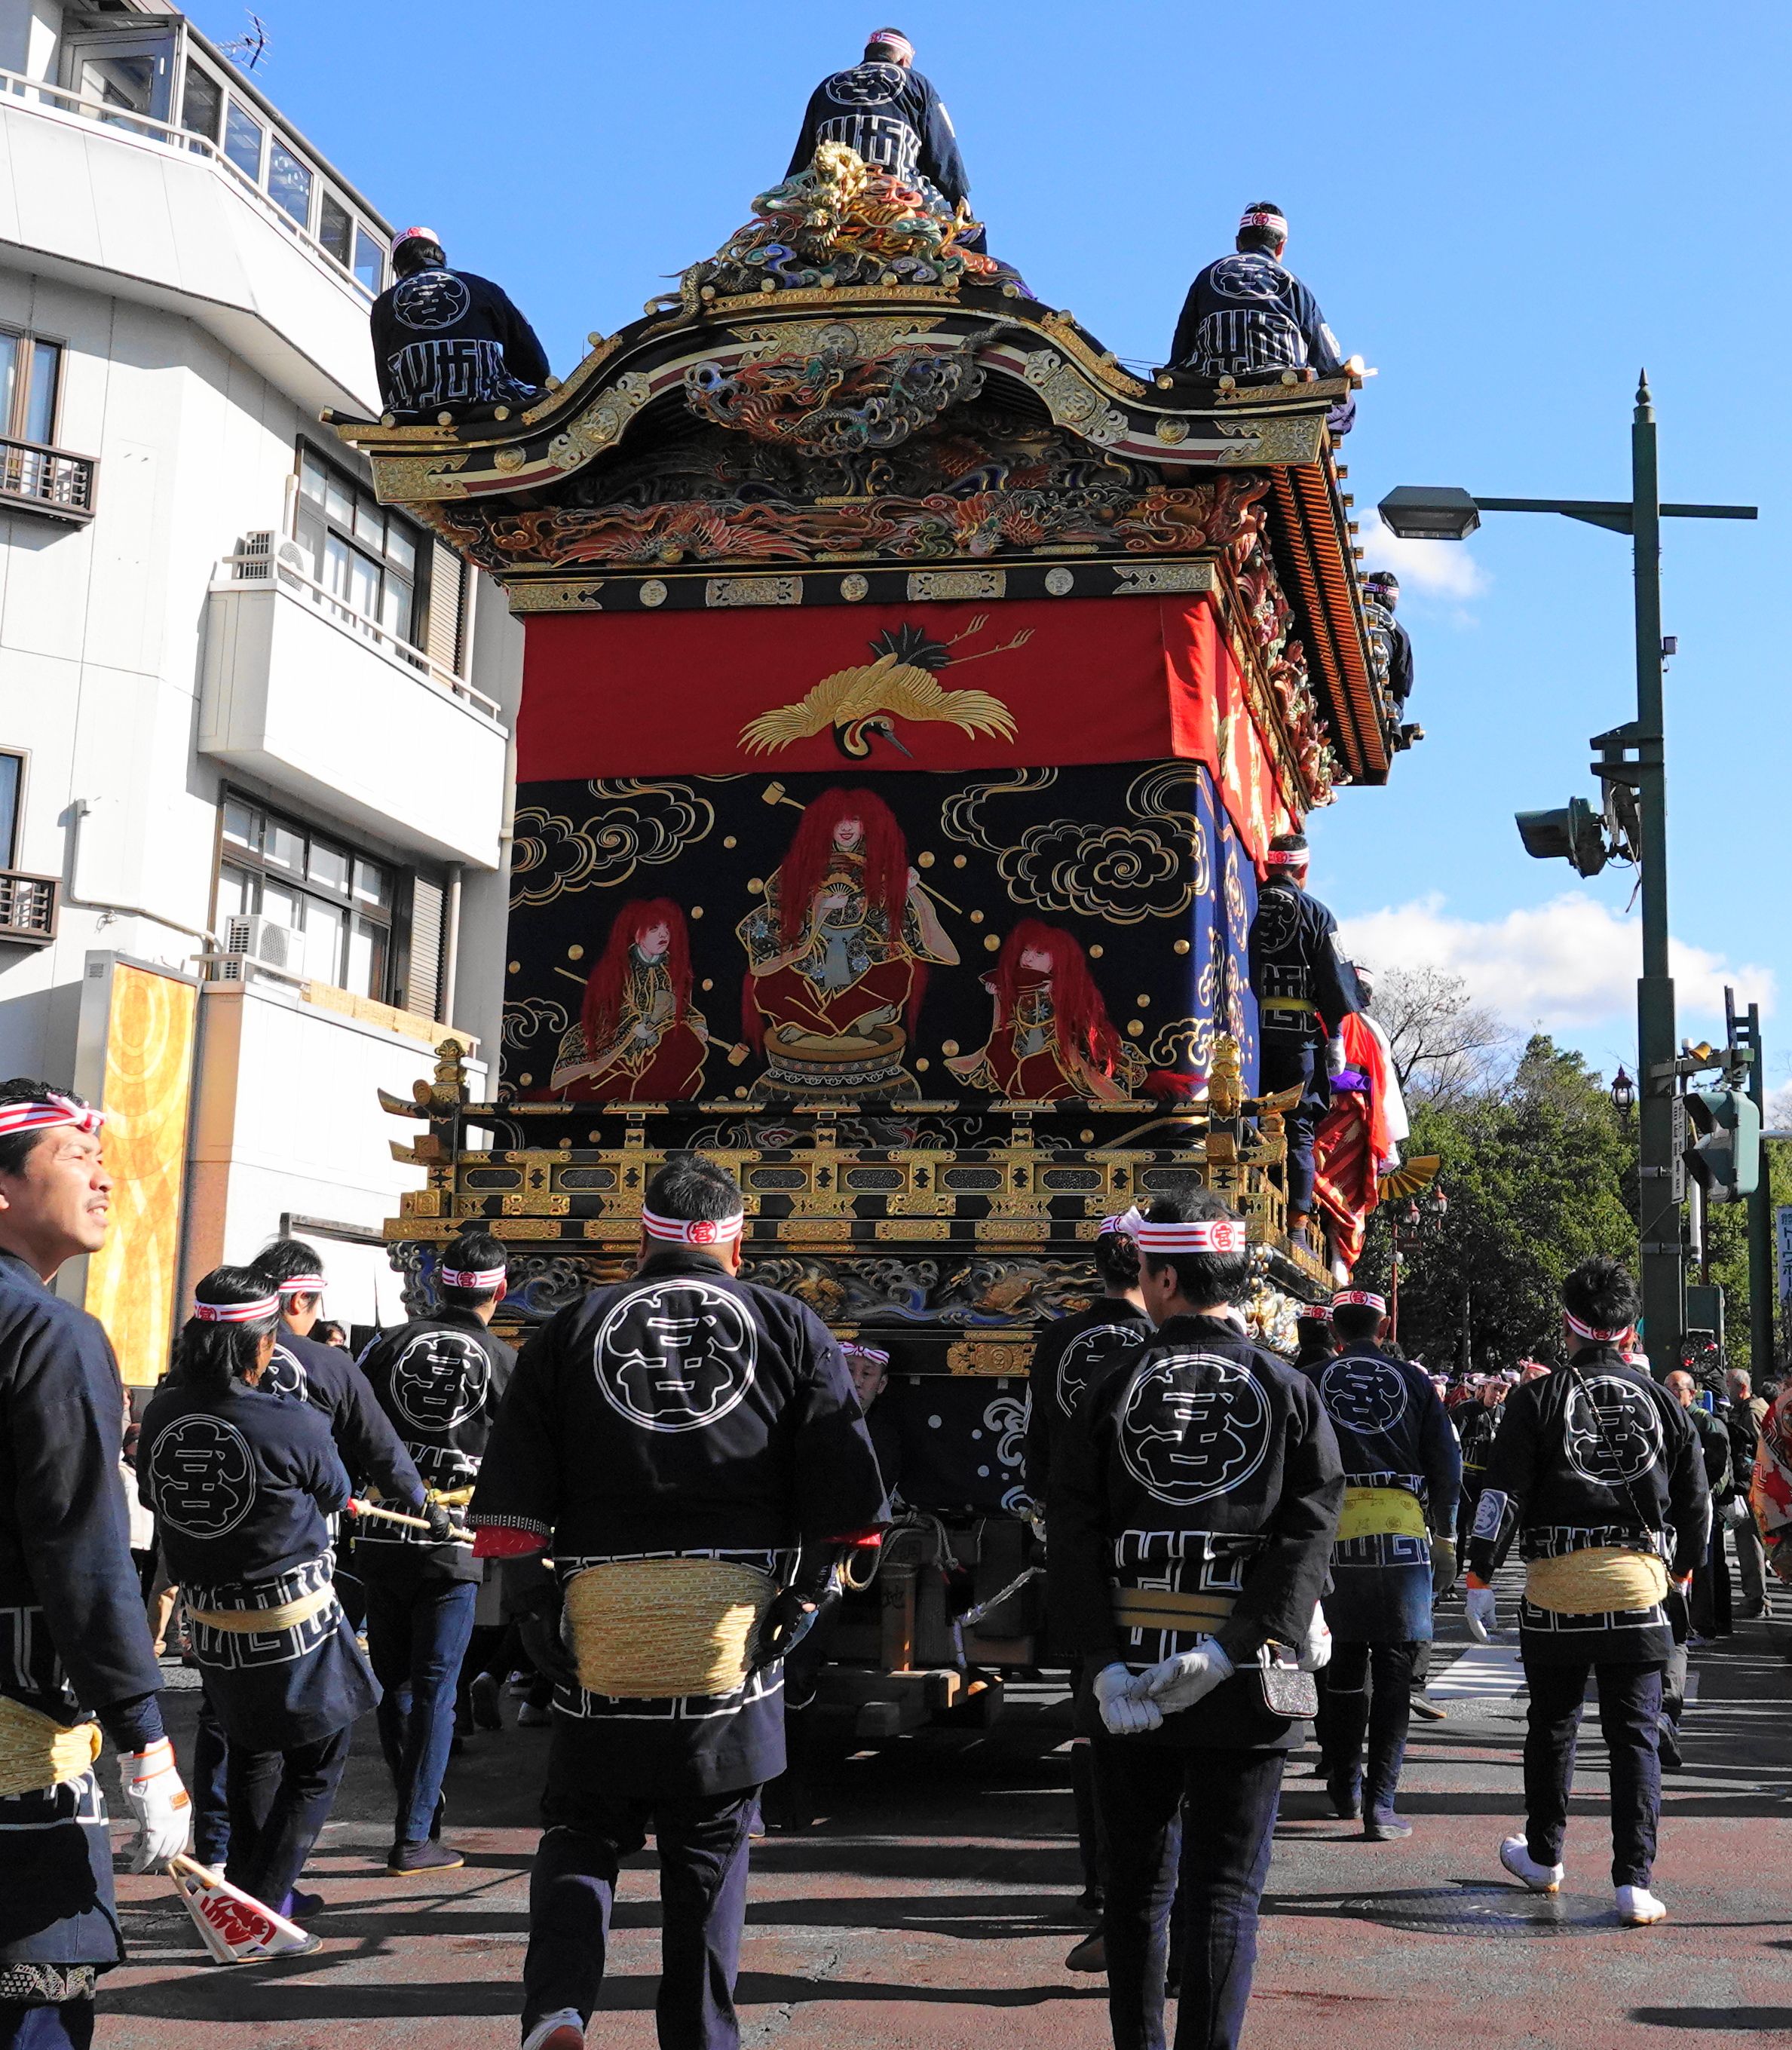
1051	1037
638	1039
837	953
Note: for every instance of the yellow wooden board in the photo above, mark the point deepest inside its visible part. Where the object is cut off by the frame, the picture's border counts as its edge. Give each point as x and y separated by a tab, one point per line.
131	1281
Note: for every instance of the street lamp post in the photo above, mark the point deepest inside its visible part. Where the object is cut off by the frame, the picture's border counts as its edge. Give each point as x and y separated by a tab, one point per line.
1421	512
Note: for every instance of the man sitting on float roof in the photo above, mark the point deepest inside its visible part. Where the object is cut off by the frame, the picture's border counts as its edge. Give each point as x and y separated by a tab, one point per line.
1248	317
448	341
885	109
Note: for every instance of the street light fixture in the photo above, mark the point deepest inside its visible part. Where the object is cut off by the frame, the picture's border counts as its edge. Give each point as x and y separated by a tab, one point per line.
1430	513
1623	1092
1632	760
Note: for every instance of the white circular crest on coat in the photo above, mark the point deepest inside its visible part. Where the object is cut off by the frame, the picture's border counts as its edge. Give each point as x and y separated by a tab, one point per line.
1613	1434
202	1475
675	1354
440	1379
1192	1426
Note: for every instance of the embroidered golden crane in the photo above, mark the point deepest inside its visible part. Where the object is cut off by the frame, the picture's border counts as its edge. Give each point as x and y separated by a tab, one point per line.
863	704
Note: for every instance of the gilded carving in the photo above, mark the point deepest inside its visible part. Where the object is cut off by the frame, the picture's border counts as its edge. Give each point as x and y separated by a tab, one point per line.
723	591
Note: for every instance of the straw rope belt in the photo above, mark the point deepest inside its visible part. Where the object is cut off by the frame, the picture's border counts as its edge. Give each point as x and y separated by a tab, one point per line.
37	1752
1380	1512
1602	1580
252	1622
1163	1608
646	1628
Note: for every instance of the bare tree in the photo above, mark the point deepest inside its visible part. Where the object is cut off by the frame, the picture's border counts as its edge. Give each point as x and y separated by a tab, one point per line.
1446	1046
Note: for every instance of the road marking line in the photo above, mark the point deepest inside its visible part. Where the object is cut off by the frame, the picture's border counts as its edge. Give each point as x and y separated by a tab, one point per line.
1482	1671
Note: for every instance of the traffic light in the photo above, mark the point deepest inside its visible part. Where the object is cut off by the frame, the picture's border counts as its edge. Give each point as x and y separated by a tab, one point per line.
1725	1152
1576	835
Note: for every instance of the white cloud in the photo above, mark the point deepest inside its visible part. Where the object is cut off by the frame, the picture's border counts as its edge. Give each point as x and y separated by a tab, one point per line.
1568	964
1434	569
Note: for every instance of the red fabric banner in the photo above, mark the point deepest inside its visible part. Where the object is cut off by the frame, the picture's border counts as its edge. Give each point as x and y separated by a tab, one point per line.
957	686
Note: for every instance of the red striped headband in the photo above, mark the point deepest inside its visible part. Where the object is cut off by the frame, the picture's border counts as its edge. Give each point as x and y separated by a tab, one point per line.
303	1284
236	1313
1361	1299
35	1117
1287	857
473	1277
895	38
1259	217
1588	1331
692	1231
1210	1235
1127	1224
875	1354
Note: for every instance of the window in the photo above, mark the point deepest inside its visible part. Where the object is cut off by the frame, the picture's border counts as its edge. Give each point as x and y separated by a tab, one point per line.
30	382
355	548
11	789
337	901
289	182
370	259
335	228
201	103
243	140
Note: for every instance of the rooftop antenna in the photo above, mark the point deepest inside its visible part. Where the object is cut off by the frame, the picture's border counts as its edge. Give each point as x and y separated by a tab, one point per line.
245	52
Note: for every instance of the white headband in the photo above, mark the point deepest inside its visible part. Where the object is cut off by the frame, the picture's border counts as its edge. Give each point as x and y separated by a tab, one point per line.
1287	857
1210	1235
1127	1224
473	1277
235	1313
303	1284
874	1354
692	1231
1362	1299
35	1117
1588	1331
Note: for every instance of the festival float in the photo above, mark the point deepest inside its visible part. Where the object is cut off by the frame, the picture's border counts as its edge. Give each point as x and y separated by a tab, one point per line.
910	695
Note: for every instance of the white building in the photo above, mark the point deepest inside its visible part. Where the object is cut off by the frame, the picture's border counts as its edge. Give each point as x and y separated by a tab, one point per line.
243	709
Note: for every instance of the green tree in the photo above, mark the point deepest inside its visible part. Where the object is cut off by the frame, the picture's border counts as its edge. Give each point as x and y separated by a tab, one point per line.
1540	1175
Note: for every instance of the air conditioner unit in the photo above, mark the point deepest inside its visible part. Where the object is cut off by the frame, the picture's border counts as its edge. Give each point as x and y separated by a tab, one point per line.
259	942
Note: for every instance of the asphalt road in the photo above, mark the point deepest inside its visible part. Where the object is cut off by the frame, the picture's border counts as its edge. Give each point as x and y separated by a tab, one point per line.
934	1903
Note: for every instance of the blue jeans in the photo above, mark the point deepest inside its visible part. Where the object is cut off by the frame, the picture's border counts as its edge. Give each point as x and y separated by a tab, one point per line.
68	2025
592	1825
1630	1712
268	1849
1367	1688
417	1635
1219	1845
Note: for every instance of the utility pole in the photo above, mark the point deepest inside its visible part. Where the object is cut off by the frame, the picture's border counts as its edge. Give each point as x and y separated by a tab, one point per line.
1663	1274
1763	1271
1578	833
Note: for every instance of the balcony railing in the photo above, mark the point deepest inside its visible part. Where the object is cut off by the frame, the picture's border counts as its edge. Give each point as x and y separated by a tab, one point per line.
259	563
58	100
46	480
28	906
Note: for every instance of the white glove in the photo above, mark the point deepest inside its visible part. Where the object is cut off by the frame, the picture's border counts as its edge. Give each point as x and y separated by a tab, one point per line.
1334	1056
1482	1616
1316	1652
1740	1514
1125	1709
1181	1682
159	1801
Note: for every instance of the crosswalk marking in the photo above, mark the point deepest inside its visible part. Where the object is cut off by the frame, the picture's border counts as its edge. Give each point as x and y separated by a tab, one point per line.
1482	1669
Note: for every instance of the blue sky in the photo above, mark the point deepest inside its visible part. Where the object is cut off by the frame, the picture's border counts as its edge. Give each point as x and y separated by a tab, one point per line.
1507	210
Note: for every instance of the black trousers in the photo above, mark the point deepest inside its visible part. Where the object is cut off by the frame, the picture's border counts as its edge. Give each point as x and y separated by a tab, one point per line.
1205	1818
1367	1693
268	1846
1281	1068
1629	1698
593	1824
